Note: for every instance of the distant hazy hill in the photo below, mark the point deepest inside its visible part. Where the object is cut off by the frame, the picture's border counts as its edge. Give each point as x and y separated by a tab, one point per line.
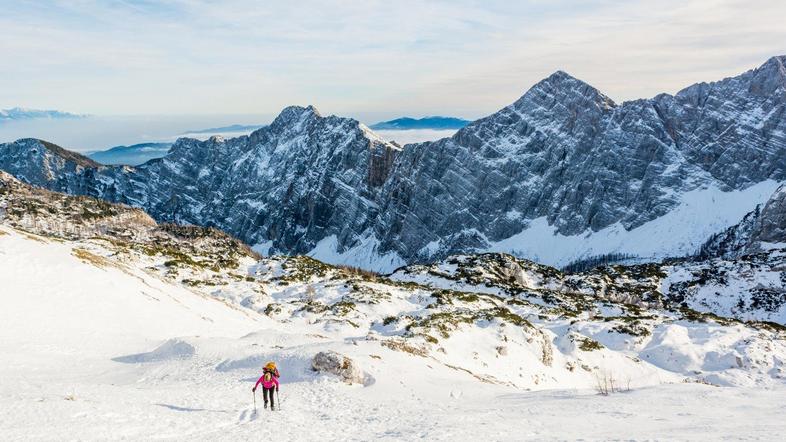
133	155
232	128
422	123
19	113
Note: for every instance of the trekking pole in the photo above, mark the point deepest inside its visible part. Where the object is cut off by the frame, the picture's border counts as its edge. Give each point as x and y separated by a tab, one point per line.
255	400
279	400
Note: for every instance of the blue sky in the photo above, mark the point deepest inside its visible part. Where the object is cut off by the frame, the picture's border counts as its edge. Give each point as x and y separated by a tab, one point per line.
368	59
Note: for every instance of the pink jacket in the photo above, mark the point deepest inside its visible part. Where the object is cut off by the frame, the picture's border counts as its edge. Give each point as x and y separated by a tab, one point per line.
273	381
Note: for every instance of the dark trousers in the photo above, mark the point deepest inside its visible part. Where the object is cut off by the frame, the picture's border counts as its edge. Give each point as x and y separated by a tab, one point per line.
268	393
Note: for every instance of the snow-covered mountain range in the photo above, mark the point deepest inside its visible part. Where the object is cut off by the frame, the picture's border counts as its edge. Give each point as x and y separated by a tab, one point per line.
562	174
108	310
20	113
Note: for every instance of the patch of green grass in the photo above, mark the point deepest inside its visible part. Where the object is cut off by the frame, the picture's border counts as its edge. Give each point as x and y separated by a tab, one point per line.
342	308
315	307
272	309
506	315
446	297
768	325
366	295
430	339
400	345
98	210
690	314
303	269
588	344
198	282
443	322
634	328
446	322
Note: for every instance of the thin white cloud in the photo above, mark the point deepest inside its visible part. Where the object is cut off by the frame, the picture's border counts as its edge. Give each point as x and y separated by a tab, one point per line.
366	57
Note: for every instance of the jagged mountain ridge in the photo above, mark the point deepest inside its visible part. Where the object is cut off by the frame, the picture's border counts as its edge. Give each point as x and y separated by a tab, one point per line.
303	172
474	314
562	160
589	163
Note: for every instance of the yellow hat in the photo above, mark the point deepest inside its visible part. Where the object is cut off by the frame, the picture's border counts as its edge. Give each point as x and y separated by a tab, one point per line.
271	365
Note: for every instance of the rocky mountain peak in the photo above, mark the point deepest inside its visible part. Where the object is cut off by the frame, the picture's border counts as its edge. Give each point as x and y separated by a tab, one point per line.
776	64
770	77
74	157
562	86
40	162
293	114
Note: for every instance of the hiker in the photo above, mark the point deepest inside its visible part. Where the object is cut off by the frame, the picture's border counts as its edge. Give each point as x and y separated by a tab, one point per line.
269	381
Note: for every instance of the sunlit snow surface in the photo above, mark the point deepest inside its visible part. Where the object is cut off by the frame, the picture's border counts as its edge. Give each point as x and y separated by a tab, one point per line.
108	352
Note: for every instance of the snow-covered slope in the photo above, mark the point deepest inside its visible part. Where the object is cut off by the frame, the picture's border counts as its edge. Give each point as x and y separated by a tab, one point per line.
98	350
564	173
117	327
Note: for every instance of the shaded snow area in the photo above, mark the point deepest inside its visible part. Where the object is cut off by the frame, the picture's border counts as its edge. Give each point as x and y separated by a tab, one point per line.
699	214
680	232
108	340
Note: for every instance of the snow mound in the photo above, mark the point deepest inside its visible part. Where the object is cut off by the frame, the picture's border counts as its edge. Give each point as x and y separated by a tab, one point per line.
169	350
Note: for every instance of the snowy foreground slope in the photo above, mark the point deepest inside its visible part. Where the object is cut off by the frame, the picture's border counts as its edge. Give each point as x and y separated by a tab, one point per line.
117	327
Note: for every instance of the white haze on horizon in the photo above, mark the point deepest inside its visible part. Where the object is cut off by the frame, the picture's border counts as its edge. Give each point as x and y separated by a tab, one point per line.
100	133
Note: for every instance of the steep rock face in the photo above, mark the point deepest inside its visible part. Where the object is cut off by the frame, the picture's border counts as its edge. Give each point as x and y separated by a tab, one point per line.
563	151
758	230
294	182
303	178
567	153
735	129
562	160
